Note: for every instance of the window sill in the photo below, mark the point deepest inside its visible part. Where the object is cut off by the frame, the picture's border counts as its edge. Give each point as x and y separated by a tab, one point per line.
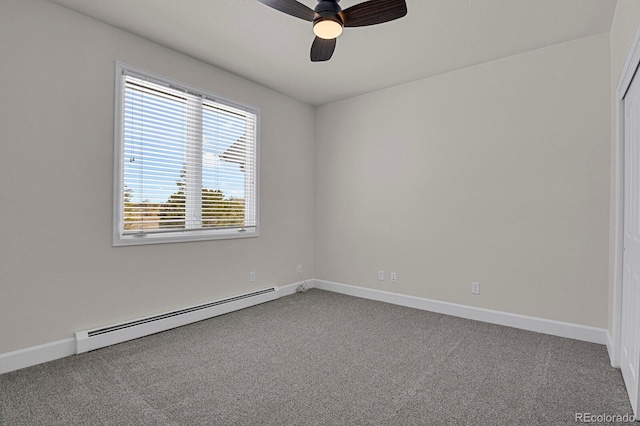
179	237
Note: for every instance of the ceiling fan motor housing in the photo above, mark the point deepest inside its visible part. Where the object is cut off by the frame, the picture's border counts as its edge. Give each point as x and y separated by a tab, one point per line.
328	9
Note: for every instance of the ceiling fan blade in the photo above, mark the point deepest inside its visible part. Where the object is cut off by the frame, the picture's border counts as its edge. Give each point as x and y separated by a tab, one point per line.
291	7
374	12
322	49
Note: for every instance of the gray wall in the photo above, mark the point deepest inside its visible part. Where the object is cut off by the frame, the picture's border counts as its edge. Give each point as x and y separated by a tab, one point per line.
59	272
497	173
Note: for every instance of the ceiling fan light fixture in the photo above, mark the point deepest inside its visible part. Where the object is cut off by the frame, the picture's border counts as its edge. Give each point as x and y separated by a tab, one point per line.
327	28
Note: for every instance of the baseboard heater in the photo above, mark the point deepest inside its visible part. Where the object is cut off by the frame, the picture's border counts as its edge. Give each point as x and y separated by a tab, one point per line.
88	340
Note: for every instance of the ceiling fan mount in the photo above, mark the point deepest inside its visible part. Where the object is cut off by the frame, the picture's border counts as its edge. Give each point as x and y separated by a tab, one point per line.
329	19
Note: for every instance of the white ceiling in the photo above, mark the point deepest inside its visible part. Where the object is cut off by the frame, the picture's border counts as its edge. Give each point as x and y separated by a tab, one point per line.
263	45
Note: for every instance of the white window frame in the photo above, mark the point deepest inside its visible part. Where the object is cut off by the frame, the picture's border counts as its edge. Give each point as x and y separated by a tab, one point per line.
120	238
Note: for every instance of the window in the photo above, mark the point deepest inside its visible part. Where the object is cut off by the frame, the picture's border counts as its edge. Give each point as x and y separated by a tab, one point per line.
186	163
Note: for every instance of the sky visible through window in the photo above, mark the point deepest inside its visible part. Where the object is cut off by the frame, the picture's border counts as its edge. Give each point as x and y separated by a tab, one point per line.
155	133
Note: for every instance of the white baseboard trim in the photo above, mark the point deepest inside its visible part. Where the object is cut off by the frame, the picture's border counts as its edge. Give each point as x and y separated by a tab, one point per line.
23	358
540	325
611	351
28	357
289	289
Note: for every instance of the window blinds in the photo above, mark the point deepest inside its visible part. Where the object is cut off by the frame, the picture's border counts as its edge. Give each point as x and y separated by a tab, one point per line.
188	161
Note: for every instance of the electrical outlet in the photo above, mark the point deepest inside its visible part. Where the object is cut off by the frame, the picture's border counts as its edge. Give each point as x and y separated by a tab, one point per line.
252	277
380	275
394	277
475	288
299	269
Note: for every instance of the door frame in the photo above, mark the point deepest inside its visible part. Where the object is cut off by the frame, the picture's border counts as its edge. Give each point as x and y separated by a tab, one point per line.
628	72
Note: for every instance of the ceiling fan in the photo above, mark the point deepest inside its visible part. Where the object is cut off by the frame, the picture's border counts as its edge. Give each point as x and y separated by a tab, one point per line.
328	19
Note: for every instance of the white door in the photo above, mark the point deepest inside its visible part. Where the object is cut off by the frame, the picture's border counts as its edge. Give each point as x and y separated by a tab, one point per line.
630	326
